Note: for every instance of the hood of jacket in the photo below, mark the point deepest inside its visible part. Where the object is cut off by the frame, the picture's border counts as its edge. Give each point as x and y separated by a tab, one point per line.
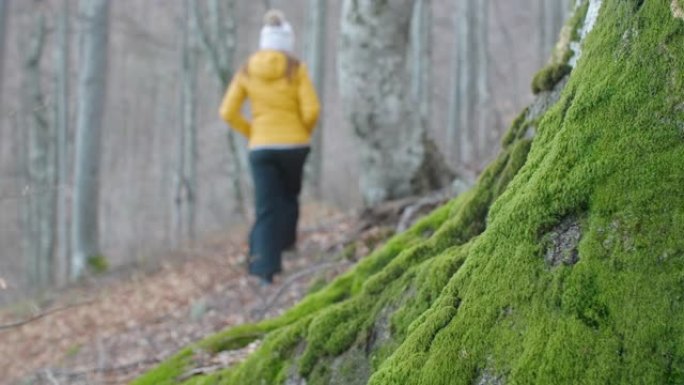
267	65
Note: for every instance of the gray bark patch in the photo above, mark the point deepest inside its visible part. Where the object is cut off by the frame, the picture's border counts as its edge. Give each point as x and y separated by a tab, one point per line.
489	378
293	376
351	368
677	10
562	243
545	100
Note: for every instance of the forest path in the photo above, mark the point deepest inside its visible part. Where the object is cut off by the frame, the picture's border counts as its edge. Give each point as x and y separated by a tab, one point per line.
109	333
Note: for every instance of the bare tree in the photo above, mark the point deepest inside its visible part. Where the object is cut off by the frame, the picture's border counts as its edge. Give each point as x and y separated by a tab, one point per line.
3	32
462	105
552	15
185	197
315	58
62	128
470	100
40	167
397	157
92	82
218	39
421	63
483	105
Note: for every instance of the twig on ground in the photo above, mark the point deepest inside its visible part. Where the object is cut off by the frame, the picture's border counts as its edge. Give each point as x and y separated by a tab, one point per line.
196	372
50	377
408	215
104	370
43	315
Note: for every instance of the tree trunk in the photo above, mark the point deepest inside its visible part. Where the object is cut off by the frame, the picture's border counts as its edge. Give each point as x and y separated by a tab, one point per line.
62	127
40	167
315	58
186	172
454	126
470	123
218	41
552	14
462	117
91	96
421	63
484	108
3	35
397	158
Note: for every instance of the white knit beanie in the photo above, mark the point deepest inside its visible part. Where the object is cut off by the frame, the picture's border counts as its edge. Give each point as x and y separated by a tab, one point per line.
277	33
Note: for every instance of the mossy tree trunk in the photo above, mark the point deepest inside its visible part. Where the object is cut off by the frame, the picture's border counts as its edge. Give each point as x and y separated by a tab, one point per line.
397	157
563	265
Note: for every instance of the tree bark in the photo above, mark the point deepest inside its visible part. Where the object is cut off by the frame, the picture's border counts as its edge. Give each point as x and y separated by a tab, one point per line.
315	58
454	127
552	14
40	167
469	122
218	40
464	67
92	84
186	173
3	35
421	63
484	122
62	127
397	158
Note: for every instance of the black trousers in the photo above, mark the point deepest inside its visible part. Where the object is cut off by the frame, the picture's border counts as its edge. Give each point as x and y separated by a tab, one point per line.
277	176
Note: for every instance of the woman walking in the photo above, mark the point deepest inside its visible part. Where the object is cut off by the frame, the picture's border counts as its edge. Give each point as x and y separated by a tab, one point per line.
285	110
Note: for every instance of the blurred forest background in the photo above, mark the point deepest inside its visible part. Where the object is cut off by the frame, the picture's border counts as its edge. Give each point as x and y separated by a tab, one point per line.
170	171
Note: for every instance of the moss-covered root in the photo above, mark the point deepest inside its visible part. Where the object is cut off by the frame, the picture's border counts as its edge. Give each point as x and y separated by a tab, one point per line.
578	278
384	294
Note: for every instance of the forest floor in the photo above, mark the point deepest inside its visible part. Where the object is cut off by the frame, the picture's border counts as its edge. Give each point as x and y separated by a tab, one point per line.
110	329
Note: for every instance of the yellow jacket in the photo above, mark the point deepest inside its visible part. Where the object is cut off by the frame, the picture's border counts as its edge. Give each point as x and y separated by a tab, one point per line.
284	103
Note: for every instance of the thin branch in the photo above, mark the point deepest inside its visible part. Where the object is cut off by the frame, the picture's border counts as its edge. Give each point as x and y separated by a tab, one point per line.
50	377
64	374
43	315
205	39
199	371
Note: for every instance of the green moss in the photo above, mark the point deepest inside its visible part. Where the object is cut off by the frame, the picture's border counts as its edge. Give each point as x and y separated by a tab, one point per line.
515	129
475	295
98	264
72	351
577	21
167	372
558	67
549	76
